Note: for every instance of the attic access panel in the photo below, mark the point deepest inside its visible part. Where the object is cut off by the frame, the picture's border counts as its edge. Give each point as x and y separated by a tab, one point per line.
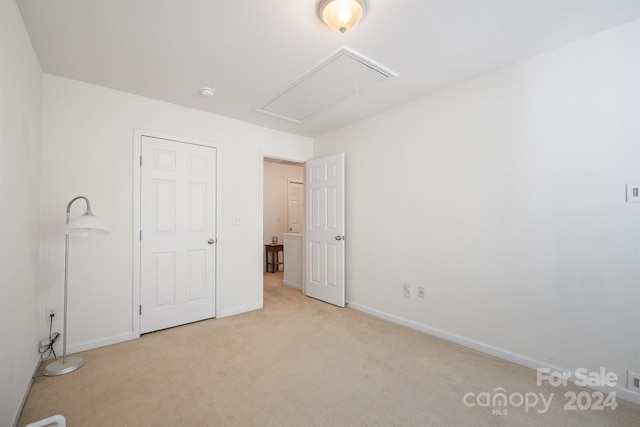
339	77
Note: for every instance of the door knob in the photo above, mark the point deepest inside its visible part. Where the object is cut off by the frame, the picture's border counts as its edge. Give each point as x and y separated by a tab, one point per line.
211	241
338	237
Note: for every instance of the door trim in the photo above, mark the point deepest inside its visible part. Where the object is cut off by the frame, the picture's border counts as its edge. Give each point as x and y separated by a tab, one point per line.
137	150
271	155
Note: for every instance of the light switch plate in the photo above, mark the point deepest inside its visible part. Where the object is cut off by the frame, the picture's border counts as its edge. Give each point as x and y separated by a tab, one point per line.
633	193
238	220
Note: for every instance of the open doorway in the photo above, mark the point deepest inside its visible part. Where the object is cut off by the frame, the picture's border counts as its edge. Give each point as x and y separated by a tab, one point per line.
282	222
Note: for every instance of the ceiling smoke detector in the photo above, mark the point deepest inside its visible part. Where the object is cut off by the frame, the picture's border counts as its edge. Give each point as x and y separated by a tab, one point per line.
207	92
341	15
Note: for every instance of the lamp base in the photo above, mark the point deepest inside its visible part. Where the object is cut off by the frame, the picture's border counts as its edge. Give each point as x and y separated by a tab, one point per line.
59	368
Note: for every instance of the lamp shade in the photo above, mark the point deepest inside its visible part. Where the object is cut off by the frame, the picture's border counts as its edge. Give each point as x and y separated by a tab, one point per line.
87	225
341	15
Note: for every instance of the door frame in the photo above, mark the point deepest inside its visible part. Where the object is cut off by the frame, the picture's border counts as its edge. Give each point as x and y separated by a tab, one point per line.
137	151
279	156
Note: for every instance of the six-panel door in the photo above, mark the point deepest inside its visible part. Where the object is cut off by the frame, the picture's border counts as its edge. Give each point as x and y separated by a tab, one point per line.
178	246
324	234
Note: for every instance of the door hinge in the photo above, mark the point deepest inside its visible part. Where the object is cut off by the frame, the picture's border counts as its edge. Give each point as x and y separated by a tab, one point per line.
140	234
140	310
140	160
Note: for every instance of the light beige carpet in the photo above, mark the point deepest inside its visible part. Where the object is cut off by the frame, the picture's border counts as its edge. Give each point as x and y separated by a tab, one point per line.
297	362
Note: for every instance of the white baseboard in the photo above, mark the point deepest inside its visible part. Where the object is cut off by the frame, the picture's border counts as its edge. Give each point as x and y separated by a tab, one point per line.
620	393
26	391
103	342
90	345
292	285
239	310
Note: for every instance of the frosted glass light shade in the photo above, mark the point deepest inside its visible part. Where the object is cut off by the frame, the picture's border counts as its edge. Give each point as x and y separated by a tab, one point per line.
87	225
341	15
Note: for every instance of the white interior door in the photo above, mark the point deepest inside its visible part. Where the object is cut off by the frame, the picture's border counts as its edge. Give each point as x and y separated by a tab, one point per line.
324	233
295	206
178	235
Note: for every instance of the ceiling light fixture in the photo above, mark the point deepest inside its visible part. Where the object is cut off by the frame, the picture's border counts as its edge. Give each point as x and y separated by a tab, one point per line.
341	15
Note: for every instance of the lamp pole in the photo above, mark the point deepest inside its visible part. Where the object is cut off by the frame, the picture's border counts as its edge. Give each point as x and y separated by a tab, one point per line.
66	278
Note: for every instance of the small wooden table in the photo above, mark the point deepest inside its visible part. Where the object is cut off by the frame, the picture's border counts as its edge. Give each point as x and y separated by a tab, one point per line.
275	256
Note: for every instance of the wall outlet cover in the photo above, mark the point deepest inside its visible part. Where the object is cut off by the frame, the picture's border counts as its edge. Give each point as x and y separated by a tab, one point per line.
633	193
48	311
633	381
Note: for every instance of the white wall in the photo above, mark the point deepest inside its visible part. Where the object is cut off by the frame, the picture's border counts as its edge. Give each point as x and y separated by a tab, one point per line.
20	129
505	197
87	150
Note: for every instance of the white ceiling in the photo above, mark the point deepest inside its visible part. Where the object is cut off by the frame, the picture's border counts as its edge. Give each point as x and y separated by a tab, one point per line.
251	50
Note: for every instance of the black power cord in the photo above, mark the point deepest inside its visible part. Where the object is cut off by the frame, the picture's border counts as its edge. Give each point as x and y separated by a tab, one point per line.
46	349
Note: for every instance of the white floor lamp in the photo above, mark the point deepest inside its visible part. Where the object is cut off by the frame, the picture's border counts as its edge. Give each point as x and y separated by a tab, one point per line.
86	225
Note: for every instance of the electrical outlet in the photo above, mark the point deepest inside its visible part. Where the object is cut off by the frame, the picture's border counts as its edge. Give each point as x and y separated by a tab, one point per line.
407	290
633	193
421	292
48	311
633	381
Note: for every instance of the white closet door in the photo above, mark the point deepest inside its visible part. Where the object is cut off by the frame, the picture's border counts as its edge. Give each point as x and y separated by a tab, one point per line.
178	235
